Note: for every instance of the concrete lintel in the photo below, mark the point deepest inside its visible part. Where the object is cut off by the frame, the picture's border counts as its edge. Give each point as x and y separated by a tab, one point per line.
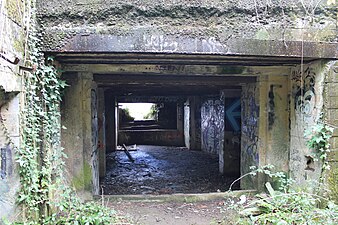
174	69
159	43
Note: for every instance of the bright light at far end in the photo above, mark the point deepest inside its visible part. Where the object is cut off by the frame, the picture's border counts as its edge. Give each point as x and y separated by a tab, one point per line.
137	110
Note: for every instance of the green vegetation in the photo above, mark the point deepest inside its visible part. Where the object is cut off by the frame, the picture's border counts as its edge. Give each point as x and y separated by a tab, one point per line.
287	205
152	114
125	116
44	196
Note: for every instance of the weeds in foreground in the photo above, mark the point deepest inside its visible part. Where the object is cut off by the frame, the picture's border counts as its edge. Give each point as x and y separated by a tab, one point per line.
283	206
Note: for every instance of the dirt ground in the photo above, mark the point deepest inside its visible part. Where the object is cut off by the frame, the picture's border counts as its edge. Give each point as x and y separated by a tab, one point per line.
170	213
163	170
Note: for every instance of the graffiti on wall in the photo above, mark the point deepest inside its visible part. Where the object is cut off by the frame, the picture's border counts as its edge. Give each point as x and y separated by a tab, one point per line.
303	90
250	120
160	43
94	155
233	114
212	125
307	102
163	43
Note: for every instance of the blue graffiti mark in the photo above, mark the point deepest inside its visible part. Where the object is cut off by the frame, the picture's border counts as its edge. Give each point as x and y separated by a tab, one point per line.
234	112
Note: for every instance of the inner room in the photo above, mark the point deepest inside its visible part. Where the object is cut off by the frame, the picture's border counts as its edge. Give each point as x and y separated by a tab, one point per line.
165	136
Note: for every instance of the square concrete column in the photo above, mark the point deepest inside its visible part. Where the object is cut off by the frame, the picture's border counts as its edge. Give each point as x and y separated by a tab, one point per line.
229	156
180	117
250	115
111	120
79	139
187	122
192	123
101	132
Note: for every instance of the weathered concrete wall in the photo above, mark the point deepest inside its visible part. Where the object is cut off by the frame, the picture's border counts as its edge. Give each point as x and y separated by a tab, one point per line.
9	139
101	117
181	26
229	157
265	126
195	123
249	135
192	123
187	121
12	44
93	154
306	106
331	115
111	112
79	139
152	137
276	146
212	124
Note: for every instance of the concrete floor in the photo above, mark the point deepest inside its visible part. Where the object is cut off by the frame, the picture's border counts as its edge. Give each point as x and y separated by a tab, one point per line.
163	170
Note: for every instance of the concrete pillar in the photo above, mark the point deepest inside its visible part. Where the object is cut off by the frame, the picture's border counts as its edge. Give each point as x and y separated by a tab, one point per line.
101	133
192	123
265	128
111	121
250	112
277	123
78	139
180	117
187	123
72	137
196	144
230	154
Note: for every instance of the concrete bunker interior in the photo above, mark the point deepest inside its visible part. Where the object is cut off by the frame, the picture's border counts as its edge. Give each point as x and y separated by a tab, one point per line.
217	106
179	150
197	129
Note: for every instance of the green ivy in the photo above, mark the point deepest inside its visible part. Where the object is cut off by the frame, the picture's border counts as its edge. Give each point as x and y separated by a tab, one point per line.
40	155
318	140
44	196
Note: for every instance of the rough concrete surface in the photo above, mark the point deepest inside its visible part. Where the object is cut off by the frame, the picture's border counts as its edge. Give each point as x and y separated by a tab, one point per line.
221	20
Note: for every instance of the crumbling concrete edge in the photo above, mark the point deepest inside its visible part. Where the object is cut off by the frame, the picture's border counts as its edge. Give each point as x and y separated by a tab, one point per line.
176	197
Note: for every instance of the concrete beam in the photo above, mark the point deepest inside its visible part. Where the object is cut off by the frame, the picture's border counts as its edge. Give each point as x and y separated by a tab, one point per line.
157	43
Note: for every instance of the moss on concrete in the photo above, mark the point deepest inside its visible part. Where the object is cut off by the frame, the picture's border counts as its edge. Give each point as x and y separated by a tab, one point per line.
83	181
333	183
88	176
232	69
15	10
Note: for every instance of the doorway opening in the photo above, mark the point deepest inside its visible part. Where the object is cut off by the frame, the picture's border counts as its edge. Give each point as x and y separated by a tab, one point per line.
174	144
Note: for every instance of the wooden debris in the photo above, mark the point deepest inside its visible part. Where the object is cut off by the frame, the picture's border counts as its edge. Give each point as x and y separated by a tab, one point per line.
128	153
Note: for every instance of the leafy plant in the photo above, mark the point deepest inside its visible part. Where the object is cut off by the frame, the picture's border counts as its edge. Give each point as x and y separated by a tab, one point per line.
43	197
267	170
284	206
318	142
